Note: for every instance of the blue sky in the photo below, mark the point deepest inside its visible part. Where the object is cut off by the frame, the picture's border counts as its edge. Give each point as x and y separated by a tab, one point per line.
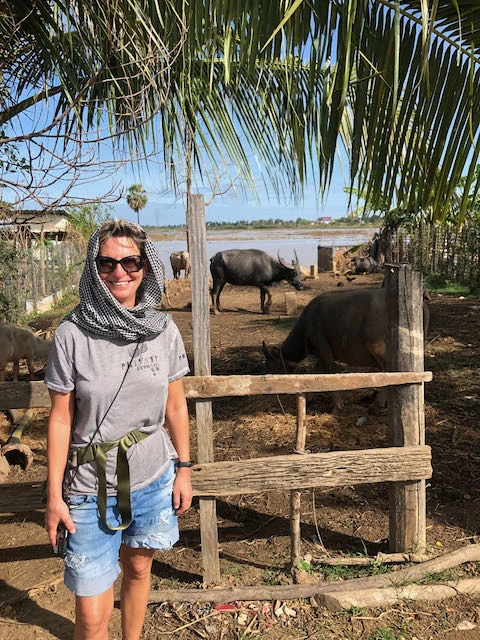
164	208
167	209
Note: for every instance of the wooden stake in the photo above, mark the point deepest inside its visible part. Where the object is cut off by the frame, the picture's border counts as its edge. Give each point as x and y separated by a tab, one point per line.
295	496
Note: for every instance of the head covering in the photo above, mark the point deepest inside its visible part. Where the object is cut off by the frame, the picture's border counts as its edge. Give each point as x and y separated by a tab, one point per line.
101	313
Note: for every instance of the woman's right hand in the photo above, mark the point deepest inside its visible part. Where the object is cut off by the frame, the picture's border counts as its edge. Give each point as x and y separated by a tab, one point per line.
57	511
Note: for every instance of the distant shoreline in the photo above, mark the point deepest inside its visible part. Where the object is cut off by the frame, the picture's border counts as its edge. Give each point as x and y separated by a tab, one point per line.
159	234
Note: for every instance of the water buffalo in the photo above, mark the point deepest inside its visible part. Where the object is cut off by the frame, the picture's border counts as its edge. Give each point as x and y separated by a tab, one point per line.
251	267
180	261
365	264
339	326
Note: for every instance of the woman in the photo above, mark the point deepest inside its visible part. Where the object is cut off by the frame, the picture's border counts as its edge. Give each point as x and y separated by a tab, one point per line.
115	379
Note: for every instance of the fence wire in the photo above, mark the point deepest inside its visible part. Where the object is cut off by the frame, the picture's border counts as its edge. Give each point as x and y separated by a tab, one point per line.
30	272
443	254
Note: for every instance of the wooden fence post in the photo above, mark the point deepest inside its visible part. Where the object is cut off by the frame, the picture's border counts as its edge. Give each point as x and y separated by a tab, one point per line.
295	495
406	418
202	355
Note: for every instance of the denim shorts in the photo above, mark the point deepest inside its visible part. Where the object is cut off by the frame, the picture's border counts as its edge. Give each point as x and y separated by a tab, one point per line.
91	563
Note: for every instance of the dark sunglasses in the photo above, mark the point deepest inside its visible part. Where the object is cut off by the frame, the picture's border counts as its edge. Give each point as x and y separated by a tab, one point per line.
130	264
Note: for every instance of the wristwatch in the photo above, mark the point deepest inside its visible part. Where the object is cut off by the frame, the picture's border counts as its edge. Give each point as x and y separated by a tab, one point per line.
179	464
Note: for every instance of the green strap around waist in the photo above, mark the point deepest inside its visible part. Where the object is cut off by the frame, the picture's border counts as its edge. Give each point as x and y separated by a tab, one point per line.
98	453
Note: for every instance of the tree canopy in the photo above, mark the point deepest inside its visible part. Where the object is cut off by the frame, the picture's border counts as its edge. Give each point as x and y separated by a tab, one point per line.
137	199
391	83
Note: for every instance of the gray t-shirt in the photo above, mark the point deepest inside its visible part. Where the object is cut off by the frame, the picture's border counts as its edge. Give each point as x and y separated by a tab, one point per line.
94	367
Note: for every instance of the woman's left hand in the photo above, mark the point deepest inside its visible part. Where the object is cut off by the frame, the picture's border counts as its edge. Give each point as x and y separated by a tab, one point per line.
182	491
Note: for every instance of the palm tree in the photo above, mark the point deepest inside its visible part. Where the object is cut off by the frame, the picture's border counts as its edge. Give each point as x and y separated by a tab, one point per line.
284	84
137	199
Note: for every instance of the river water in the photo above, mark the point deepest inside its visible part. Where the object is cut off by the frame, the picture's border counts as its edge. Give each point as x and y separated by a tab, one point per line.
284	241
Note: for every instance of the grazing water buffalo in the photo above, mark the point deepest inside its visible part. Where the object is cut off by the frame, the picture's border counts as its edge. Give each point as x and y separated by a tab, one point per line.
339	326
251	267
180	261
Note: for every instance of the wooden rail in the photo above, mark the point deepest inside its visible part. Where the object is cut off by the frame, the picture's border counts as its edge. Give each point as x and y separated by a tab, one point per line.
288	472
29	395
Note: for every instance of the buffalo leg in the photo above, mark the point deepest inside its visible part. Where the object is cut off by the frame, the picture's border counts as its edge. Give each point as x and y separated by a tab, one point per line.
265	293
326	364
16	369
215	294
378	352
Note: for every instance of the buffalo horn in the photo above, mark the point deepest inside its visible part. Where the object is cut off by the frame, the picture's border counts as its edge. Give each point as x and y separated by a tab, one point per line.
284	262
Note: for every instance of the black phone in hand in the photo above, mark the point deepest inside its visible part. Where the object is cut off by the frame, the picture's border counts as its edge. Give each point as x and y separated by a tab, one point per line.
60	548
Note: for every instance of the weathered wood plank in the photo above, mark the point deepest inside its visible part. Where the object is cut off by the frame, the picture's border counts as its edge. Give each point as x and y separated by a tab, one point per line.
22	395
218	386
21	497
283	473
333	469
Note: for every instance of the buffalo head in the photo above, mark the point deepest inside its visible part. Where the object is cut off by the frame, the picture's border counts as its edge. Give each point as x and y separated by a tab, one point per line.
293	273
274	361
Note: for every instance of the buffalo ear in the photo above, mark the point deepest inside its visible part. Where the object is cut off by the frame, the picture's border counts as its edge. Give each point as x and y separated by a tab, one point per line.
271	353
265	349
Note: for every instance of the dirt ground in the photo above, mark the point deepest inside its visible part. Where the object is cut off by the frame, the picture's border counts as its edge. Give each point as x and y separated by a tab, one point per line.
254	530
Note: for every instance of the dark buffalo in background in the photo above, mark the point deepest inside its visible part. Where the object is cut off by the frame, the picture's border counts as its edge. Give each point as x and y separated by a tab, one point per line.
365	264
251	267
338	326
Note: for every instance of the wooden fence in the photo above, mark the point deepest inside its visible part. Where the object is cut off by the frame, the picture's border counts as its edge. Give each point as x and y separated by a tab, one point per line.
405	463
284	473
442	253
35	271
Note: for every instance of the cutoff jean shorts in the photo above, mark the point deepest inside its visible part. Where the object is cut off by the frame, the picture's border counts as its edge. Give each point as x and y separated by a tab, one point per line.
91	562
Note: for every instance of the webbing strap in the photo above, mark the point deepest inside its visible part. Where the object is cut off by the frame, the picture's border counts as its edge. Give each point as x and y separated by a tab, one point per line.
98	452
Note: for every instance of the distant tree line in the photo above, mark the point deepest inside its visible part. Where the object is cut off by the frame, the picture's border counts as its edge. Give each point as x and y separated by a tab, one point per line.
373	221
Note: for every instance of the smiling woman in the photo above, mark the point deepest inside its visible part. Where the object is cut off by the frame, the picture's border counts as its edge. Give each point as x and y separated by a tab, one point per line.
120	270
115	349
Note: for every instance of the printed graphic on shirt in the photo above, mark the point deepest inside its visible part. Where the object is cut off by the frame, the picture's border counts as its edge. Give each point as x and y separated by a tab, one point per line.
144	361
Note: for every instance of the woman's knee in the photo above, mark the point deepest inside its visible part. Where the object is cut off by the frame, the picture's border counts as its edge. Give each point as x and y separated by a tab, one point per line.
136	563
93	615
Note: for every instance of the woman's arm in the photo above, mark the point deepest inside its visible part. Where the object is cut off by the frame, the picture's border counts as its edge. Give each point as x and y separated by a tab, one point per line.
176	417
58	443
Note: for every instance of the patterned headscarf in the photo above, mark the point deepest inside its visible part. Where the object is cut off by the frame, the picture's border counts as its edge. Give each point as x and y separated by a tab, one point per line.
100	312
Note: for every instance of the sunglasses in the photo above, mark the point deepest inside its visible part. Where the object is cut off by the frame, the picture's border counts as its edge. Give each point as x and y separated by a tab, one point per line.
130	264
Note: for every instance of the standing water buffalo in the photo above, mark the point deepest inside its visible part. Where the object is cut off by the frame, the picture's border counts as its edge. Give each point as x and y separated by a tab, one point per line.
339	326
251	267
180	261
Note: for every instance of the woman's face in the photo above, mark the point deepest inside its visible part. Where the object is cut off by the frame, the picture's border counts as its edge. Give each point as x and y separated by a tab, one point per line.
122	285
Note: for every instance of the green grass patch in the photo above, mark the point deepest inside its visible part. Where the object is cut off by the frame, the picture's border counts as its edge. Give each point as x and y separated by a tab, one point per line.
269	578
438	284
350	572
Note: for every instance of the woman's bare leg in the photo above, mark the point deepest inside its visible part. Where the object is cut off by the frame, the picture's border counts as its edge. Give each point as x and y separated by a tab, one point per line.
136	566
92	616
